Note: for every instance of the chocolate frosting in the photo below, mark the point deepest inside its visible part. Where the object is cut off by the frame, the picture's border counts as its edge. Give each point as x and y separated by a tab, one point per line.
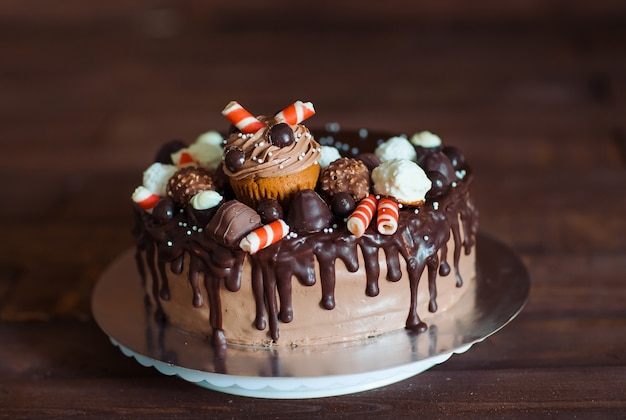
420	241
265	160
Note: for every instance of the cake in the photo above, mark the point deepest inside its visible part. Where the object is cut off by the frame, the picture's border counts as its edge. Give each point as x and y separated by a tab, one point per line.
277	235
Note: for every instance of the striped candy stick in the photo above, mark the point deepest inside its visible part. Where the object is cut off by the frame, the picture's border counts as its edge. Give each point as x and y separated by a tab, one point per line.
362	215
387	216
242	119
264	236
295	113
145	198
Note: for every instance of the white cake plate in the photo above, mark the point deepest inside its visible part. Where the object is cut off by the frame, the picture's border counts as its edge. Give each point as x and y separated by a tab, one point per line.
498	295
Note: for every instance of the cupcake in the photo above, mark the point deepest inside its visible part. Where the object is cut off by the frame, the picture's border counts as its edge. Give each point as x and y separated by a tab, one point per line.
270	157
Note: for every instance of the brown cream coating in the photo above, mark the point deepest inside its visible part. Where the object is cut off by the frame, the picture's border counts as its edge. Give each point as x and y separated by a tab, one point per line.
355	316
264	160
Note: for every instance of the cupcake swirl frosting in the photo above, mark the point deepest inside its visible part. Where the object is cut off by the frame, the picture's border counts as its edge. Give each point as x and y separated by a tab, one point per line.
264	160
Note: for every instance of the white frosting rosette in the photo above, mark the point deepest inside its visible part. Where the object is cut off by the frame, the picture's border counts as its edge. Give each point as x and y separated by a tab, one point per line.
329	154
155	178
396	148
402	180
206	199
426	139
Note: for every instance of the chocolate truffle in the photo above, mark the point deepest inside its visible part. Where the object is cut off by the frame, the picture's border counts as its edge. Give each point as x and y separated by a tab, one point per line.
308	213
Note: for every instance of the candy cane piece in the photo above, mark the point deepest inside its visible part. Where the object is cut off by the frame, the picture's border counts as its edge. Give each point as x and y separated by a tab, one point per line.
264	236
295	113
145	198
362	215
387	216
242	119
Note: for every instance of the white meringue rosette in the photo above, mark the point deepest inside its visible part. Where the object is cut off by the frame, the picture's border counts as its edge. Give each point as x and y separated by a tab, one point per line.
398	147
329	154
157	175
401	179
426	139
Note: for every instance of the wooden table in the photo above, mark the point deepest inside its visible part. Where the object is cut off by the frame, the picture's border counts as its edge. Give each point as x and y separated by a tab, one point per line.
535	93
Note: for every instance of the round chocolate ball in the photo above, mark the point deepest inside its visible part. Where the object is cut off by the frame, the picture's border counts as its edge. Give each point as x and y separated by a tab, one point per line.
369	159
440	162
269	210
342	204
280	135
308	213
440	184
456	157
164	210
234	158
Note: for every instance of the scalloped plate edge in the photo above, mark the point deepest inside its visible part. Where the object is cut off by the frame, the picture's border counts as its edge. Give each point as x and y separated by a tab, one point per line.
293	388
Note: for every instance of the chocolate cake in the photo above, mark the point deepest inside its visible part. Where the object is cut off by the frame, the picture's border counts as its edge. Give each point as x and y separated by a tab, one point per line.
380	240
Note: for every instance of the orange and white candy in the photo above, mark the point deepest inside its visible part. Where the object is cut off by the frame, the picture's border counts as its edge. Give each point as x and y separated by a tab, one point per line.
205	152
387	216
362	215
242	119
295	113
145	198
183	158
264	236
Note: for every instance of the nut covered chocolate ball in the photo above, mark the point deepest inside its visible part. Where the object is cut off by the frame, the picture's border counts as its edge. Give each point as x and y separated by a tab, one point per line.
345	175
187	182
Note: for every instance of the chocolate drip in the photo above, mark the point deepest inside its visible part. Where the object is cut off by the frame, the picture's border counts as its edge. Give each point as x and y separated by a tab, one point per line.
195	278
260	320
327	275
164	292
432	263
269	289
421	241
456	234
177	264
415	269
372	270
212	286
141	268
159	315
444	267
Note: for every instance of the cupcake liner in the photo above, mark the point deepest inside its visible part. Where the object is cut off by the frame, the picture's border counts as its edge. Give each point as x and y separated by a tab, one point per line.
252	191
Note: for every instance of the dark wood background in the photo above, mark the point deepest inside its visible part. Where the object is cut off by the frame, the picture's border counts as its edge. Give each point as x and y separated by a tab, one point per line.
533	91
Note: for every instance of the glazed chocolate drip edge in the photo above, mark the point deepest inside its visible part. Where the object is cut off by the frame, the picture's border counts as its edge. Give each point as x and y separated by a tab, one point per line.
420	240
